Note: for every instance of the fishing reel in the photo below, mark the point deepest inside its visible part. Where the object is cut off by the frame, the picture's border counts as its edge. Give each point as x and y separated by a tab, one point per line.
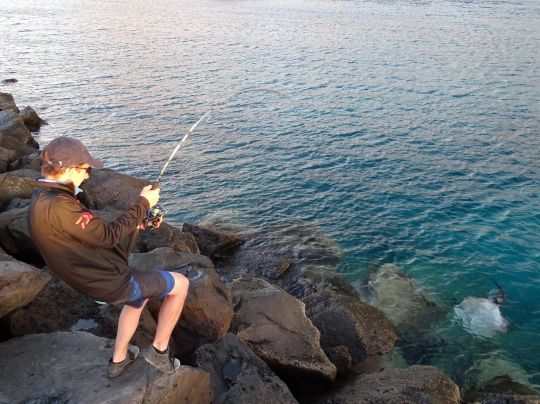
154	217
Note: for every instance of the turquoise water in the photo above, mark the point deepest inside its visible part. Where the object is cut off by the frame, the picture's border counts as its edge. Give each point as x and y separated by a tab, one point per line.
407	130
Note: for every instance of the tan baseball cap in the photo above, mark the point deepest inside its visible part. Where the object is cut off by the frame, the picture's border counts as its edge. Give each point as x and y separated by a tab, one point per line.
68	152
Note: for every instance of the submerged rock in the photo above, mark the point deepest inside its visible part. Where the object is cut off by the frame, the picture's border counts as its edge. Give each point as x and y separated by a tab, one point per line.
406	304
240	376
71	367
494	377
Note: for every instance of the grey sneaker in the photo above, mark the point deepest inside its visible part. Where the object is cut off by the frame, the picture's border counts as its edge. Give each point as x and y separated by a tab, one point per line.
165	362
116	369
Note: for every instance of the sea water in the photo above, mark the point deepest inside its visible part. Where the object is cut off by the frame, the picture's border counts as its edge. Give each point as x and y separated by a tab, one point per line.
408	132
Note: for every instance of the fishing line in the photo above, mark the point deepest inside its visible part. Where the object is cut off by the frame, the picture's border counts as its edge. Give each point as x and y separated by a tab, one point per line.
205	117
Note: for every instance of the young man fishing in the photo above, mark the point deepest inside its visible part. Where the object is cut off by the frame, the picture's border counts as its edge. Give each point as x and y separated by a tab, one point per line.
92	256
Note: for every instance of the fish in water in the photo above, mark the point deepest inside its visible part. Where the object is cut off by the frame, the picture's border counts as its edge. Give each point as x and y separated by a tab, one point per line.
482	316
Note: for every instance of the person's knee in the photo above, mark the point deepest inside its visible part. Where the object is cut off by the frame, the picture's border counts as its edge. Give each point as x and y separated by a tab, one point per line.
181	284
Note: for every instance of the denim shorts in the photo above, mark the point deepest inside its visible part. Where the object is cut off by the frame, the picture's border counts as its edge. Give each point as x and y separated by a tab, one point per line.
147	285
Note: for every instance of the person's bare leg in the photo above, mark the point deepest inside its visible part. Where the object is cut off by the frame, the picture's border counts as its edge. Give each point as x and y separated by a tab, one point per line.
127	324
170	311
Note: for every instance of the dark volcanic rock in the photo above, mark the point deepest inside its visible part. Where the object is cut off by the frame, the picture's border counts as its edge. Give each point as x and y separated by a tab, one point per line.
30	118
167	236
7	102
56	308
413	385
7	156
345	321
71	367
15	235
14	134
240	376
17	184
110	188
208	310
214	244
274	325
19	284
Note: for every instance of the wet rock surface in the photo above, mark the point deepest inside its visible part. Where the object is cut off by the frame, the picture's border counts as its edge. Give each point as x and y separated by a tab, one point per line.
213	244
240	376
71	367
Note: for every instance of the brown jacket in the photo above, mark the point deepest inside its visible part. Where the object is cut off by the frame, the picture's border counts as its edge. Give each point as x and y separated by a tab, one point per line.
87	253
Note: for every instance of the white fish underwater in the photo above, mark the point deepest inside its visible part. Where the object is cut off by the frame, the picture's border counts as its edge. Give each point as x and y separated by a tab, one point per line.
481	316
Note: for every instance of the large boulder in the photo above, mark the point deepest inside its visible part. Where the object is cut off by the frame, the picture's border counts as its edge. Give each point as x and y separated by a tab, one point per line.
109	188
416	384
214	244
17	184
14	134
19	284
7	156
15	236
346	323
56	308
7	102
208	309
30	118
240	376
275	326
71	367
167	236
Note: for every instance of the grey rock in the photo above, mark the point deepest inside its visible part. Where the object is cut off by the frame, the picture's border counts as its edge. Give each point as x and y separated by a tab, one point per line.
413	385
15	186
214	244
14	134
240	376
345	321
275	326
167	236
208	310
7	102
7	156
30	118
15	235
10	80
109	188
71	367
56	308
19	284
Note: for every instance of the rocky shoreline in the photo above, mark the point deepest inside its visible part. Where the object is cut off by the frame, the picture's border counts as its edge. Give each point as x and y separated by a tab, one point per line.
259	325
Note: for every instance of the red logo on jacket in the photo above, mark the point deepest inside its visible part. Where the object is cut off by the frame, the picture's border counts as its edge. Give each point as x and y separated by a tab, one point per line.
85	220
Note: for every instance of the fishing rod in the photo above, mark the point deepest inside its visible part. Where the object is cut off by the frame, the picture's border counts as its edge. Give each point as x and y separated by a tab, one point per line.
205	116
156	213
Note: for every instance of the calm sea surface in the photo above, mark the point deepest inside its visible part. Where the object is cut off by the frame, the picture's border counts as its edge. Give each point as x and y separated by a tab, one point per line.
407	131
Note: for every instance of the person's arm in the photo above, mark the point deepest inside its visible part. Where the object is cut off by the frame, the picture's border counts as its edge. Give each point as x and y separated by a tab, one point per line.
81	224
